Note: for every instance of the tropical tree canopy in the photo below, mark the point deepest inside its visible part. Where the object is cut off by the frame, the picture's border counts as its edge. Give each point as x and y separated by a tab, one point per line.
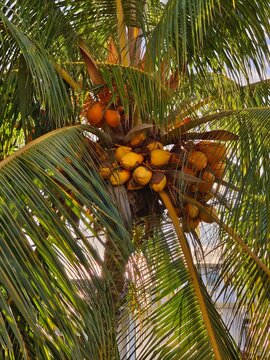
134	144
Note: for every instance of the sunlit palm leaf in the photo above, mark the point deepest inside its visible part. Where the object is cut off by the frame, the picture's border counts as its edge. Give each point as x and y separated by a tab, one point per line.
39	230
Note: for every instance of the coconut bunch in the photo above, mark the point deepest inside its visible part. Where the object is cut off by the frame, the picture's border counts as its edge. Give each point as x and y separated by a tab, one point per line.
138	163
143	164
99	112
205	163
147	163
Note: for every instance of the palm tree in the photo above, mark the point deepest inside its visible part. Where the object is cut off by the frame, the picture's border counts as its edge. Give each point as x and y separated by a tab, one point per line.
100	251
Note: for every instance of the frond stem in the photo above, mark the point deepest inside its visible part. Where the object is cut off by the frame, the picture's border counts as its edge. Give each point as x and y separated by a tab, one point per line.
192	271
68	79
34	143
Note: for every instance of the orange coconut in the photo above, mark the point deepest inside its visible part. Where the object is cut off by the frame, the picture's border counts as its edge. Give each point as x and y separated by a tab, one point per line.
206	215
197	160
215	152
94	114
191	210
208	180
190	224
112	117
218	169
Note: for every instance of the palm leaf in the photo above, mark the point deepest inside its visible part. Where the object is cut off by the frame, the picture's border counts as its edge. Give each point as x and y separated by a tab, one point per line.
43	227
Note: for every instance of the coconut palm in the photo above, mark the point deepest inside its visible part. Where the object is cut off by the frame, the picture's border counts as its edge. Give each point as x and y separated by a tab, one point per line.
133	144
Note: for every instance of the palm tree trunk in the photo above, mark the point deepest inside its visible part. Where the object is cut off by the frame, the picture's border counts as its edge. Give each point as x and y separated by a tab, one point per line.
114	269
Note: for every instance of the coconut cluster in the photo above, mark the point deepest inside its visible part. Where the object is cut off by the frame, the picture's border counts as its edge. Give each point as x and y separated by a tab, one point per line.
205	164
138	164
98	113
142	162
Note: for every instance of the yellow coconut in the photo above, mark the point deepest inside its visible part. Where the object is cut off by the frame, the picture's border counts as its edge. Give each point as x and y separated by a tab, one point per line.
120	177
205	216
142	175
131	160
191	210
208	178
158	181
154	145
94	114
112	117
159	157
190	224
105	170
197	160
218	169
215	152
121	151
138	140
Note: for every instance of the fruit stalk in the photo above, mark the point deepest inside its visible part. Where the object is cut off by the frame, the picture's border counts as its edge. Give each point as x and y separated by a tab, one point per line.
192	271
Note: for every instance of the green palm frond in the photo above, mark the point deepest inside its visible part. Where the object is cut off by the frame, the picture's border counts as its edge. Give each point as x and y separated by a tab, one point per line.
168	322
92	270
132	84
29	78
43	199
196	34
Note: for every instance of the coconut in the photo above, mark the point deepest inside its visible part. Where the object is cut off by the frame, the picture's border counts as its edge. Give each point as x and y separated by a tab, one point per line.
142	175
120	177
215	152
218	169
121	151
154	145
208	178
197	160
94	114
112	117
158	181
105	170
138	140
131	160
191	210
159	157
205	216
190	224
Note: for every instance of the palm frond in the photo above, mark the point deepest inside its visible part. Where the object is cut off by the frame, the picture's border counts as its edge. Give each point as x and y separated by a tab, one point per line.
199	36
165	311
43	199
